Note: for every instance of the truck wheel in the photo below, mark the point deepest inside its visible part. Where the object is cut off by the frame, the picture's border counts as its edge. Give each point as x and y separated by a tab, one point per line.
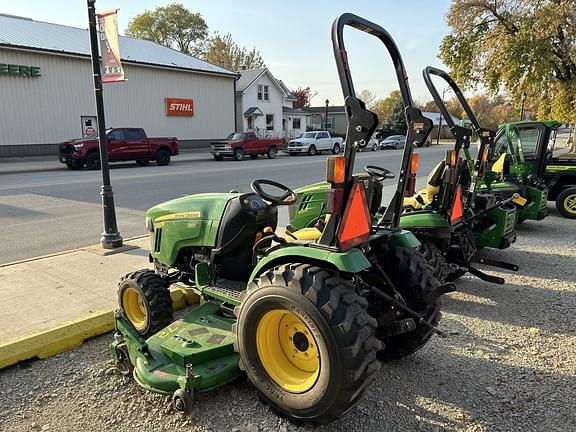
144	298
142	162
306	342
415	282
336	149
238	154
312	150
93	161
75	165
272	152
162	157
254	156
218	157
566	203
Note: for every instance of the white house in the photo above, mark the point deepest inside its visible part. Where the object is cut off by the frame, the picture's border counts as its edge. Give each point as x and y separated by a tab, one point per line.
264	105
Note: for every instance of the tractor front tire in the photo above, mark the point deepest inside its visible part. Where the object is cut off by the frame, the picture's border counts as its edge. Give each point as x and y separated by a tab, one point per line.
566	203
414	280
144	298
436	260
306	342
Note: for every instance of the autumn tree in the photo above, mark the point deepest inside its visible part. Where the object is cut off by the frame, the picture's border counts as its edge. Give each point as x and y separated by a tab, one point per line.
368	98
173	26
519	46
303	96
223	51
384	107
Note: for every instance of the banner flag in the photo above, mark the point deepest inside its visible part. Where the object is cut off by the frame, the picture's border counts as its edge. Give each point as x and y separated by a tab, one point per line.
112	70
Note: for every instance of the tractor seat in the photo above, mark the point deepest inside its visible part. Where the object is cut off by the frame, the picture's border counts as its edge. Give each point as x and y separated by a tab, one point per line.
502	165
425	196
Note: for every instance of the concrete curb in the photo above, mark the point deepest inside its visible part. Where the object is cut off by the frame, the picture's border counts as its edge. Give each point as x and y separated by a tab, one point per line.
72	334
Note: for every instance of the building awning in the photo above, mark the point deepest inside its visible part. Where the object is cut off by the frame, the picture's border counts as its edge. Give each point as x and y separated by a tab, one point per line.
253	111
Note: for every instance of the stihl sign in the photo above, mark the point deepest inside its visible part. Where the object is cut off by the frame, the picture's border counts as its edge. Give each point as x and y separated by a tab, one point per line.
179	107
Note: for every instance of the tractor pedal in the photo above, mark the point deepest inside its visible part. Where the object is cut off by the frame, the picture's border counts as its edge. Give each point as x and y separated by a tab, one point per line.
396	327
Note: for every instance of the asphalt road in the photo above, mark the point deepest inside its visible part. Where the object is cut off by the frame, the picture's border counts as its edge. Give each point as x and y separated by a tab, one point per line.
46	208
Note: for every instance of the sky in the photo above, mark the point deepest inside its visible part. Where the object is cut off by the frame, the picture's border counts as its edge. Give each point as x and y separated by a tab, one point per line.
294	37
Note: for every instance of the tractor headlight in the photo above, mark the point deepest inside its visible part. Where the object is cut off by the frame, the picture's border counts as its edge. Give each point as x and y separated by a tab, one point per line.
149	224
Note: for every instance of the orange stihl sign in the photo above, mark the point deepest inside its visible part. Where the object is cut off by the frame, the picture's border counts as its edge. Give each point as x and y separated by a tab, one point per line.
179	107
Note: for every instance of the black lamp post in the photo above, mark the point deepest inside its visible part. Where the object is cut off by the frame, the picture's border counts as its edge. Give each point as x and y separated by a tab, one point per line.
522	106
326	115
111	238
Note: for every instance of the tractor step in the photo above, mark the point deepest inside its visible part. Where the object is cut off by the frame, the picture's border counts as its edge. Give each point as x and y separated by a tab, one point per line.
226	290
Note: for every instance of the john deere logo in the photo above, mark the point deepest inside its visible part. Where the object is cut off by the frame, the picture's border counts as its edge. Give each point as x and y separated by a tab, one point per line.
19	70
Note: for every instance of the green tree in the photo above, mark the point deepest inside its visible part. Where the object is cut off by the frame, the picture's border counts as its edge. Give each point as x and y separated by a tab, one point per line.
384	107
519	46
397	119
223	51
173	26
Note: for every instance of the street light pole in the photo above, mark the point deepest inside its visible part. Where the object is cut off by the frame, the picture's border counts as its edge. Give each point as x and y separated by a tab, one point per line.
111	238
522	106
326	115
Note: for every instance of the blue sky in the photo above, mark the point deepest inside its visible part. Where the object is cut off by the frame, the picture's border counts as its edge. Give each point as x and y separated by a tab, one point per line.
294	37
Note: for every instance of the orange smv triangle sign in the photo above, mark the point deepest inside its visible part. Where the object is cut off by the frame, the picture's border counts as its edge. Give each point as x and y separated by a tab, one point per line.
356	223
457	211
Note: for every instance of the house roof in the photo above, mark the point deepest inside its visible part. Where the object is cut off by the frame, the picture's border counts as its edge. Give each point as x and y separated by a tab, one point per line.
289	94
336	109
253	111
25	33
435	117
295	111
249	76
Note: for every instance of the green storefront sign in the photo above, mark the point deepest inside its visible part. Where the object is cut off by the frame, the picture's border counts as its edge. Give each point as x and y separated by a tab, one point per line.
19	70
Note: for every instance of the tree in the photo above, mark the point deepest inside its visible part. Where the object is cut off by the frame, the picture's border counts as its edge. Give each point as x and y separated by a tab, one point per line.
224	52
384	107
368	98
518	46
173	26
397	120
303	96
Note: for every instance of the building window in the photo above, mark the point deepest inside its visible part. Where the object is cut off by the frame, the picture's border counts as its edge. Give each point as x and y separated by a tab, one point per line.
269	122
263	93
329	123
296	123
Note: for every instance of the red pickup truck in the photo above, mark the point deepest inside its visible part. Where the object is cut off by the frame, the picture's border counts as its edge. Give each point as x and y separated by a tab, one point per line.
240	144
124	144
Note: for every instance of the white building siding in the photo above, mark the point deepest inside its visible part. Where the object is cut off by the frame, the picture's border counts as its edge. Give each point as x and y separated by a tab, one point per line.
47	109
272	106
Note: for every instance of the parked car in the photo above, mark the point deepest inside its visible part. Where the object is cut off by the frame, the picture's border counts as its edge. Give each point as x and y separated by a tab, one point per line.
240	144
124	144
383	133
373	145
394	142
314	142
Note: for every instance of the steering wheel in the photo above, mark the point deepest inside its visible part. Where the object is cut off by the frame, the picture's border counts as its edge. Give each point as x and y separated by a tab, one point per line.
289	197
378	173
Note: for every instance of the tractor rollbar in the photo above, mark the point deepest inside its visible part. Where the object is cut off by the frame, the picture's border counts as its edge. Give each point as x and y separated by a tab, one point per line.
358	129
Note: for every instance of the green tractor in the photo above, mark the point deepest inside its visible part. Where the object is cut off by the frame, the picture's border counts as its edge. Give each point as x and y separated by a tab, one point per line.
528	153
305	321
447	227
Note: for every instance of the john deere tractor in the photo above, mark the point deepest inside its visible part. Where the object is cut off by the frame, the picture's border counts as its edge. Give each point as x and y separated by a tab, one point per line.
305	321
527	153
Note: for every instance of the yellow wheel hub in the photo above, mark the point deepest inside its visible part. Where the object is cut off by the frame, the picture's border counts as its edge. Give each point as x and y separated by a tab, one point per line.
288	351
570	203
134	307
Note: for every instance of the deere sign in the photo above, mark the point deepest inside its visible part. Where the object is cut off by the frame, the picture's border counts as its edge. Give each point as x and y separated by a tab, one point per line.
19	70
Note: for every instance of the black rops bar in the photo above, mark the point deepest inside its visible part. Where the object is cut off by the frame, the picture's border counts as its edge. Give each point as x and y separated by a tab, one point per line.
361	122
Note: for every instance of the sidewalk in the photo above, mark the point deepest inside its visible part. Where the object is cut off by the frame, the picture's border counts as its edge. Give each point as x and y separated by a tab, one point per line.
52	304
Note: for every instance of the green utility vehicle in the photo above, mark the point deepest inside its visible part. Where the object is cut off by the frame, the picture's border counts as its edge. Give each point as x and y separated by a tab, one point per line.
305	321
529	153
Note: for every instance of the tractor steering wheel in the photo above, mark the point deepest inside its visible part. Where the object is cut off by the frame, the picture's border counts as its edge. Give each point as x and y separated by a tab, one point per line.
289	197
378	173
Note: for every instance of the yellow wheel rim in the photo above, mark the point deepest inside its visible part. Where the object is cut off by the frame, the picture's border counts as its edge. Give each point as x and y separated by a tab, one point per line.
134	307
570	204
288	351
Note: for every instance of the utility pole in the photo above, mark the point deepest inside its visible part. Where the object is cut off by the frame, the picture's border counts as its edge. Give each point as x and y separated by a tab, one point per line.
111	238
326	115
522	106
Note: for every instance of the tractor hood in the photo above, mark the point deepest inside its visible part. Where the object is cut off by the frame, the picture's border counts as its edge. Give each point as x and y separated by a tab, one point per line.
201	206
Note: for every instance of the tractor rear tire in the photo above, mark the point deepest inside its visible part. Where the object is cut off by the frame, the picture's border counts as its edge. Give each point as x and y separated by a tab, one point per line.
436	260
414	280
306	342
566	203
144	298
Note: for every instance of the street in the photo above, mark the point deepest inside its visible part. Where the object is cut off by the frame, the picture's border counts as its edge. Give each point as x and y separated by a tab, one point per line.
46	208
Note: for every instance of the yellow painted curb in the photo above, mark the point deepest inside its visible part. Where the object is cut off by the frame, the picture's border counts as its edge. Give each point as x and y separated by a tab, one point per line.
70	335
56	340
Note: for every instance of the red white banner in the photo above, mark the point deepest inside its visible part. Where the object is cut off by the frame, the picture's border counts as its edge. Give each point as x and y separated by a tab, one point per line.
112	70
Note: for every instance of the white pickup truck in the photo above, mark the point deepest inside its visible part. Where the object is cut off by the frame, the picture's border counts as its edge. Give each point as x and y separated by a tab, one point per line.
314	142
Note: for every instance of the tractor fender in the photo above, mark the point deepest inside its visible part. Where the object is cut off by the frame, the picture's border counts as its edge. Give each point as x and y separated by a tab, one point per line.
349	261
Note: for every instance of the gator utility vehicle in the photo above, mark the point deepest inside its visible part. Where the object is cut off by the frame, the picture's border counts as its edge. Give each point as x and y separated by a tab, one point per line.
305	320
528	152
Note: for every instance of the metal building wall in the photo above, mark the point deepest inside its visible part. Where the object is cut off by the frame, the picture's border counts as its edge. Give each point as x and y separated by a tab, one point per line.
47	109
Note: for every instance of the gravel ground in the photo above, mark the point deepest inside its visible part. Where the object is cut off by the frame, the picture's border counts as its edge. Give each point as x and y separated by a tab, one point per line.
509	364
